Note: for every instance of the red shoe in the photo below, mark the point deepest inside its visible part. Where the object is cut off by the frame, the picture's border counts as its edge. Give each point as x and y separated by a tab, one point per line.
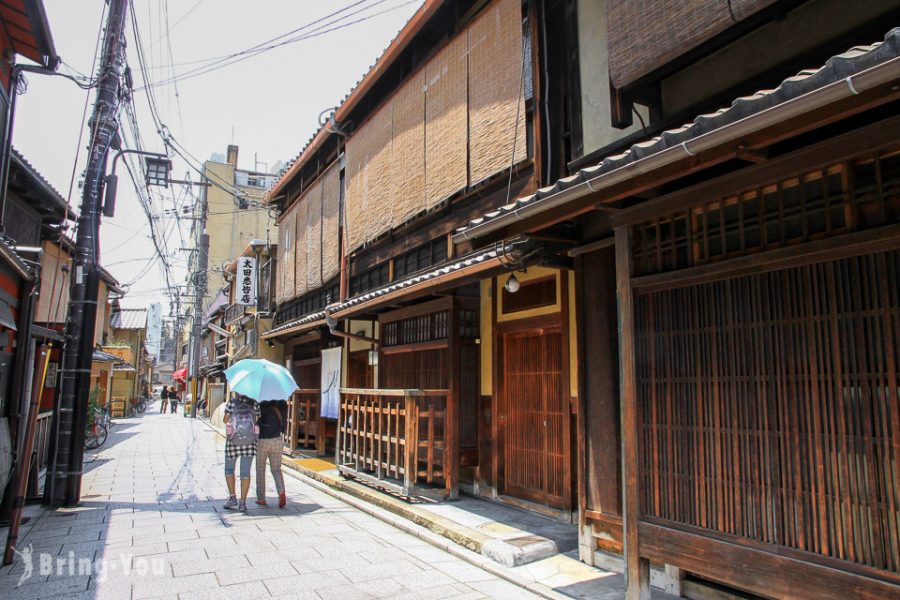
262	502
282	500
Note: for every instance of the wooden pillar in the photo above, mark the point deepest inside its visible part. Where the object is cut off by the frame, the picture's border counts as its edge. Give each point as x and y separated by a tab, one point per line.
451	408
410	461
637	569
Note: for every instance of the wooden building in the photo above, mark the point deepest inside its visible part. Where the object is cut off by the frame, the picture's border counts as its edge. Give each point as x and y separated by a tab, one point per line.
738	287
569	271
444	127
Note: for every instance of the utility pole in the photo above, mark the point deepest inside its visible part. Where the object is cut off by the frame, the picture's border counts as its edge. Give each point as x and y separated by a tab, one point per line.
64	475
200	281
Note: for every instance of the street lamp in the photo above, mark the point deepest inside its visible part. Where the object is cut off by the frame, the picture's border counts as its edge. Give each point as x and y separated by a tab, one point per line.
157	167
157	170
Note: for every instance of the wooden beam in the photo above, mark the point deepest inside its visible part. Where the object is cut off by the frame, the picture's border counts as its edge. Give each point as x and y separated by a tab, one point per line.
756	571
834	248
637	569
864	141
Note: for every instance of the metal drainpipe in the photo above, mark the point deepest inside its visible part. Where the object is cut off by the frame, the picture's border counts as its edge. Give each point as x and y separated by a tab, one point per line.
332	328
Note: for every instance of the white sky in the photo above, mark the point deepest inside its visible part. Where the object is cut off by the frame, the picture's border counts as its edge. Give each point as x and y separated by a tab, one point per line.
268	104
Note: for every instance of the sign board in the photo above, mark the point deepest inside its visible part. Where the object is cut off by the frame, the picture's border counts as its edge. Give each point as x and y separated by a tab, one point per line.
331	383
50	380
245	294
154	329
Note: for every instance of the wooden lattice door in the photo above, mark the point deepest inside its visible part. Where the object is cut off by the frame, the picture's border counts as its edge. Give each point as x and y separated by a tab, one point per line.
535	445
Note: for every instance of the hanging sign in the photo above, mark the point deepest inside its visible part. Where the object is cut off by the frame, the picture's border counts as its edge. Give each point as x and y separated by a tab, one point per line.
246	281
331	383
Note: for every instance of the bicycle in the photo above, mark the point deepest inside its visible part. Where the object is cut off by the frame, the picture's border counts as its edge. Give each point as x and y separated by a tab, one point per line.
141	405
96	432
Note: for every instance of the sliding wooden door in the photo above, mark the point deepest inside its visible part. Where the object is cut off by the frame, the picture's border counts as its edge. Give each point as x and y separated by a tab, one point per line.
536	446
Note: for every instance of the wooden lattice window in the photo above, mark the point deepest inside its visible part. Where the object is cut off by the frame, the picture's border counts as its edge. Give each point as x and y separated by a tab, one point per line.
838	198
416	330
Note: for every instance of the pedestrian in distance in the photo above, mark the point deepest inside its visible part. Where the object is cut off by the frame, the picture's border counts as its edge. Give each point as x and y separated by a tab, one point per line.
173	401
241	435
164	399
272	420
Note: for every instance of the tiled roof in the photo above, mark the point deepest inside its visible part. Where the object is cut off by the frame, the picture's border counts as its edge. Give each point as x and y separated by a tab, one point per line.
508	251
8	253
50	192
129	318
101	356
836	69
307	320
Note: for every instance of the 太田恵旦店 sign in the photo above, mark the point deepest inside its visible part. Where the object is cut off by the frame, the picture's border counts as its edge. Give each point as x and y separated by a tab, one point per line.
246	281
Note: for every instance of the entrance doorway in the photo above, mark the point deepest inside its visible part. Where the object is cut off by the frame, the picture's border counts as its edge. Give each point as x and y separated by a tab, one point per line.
535	418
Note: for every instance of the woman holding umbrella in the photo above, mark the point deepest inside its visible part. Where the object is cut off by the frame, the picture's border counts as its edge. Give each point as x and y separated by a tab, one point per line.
261	381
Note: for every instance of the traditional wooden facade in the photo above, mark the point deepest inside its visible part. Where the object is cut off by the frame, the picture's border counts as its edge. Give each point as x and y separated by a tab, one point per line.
686	344
737	291
444	127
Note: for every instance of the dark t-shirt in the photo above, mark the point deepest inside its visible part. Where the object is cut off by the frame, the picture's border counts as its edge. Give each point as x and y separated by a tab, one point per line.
270	426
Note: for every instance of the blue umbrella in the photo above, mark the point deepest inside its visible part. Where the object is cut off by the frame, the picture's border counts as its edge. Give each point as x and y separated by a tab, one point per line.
260	379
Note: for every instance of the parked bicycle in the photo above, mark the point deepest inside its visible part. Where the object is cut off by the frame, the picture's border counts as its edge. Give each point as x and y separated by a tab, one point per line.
97	429
141	404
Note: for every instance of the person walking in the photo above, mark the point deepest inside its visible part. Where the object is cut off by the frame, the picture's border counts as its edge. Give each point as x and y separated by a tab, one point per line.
164	399
173	401
241	434
272	420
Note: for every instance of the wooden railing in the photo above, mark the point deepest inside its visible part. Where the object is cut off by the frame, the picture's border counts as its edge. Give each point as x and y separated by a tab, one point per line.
303	419
374	432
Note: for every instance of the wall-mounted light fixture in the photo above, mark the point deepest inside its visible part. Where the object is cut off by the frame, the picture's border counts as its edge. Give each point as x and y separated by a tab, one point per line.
512	284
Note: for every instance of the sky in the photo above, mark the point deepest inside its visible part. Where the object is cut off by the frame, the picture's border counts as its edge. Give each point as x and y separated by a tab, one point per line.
267	104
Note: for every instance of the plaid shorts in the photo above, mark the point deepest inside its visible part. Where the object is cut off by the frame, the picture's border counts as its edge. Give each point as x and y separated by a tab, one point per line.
234	451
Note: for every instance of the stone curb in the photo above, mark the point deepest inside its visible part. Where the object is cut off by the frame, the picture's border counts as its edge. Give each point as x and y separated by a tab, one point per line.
344	491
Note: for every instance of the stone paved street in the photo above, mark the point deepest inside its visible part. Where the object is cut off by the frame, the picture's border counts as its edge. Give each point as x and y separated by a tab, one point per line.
152	526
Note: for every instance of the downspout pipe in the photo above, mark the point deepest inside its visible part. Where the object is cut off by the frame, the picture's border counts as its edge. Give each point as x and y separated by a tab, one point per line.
332	328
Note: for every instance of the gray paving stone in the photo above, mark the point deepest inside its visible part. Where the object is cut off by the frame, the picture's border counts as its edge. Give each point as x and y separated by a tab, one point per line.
177	585
307	582
257	573
167	512
182	568
241	591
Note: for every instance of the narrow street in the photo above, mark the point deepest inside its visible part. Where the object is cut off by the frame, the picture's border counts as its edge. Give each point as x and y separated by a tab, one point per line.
152	526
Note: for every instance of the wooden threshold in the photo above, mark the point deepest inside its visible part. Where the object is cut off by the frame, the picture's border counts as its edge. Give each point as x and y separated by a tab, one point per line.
548	511
756	571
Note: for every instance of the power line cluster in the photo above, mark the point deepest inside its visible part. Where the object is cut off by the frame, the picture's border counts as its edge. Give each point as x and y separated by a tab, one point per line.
166	209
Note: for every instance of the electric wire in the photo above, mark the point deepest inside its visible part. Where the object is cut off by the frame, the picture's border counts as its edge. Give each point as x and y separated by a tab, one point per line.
249	53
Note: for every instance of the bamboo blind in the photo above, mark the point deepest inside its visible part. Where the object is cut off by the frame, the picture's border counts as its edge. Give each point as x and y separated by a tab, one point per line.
643	35
314	236
495	90
331	222
446	112
369	172
769	408
451	124
408	156
279	275
286	253
300	249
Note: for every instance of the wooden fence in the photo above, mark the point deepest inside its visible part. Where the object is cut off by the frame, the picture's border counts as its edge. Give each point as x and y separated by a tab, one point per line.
303	420
374	430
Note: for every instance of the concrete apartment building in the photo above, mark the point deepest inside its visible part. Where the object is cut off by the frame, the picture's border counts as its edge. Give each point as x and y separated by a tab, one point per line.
236	214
